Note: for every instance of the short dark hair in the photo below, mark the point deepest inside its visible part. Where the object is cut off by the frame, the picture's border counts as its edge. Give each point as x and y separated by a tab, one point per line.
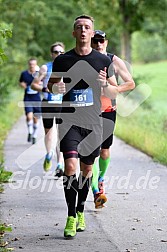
83	16
31	59
57	44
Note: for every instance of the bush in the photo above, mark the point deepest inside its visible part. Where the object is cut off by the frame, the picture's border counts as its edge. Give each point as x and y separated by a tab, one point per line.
148	48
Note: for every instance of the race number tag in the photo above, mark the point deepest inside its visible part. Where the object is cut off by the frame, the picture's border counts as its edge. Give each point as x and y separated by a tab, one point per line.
81	97
55	98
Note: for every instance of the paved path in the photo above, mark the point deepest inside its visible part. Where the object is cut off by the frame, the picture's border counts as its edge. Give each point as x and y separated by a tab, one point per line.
134	219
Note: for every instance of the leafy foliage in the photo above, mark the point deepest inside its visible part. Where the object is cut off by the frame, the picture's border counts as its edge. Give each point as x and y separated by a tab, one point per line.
141	52
28	28
4	228
5	33
4	175
41	23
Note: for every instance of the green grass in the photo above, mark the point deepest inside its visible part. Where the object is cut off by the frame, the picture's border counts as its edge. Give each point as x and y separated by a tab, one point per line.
9	114
146	128
4	228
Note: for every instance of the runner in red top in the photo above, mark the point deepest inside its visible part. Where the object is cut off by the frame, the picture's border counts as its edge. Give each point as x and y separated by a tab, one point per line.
108	108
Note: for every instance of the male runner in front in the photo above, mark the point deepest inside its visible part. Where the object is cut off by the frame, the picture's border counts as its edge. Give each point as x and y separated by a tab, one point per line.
80	117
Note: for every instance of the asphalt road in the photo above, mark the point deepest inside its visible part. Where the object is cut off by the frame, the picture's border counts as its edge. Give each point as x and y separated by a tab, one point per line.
134	219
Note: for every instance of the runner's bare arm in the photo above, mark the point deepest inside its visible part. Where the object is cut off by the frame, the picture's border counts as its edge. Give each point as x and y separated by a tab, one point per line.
123	72
109	85
36	83
23	84
110	89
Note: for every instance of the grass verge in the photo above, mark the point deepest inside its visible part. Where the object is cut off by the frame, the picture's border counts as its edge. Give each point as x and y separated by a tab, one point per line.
9	114
146	127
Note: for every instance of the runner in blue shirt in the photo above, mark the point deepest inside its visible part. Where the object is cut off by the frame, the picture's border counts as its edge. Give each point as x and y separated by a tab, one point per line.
48	112
31	99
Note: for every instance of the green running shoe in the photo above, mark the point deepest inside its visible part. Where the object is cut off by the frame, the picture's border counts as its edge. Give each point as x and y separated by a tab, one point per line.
70	228
48	162
80	222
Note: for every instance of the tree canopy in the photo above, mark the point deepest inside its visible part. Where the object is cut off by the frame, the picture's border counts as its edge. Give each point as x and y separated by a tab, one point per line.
37	24
28	27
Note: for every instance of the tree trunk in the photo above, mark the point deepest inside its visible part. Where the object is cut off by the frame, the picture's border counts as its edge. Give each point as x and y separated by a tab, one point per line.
126	45
126	35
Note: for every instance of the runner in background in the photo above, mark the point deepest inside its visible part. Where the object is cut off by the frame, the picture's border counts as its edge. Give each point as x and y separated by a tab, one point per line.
99	42
48	112
31	100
